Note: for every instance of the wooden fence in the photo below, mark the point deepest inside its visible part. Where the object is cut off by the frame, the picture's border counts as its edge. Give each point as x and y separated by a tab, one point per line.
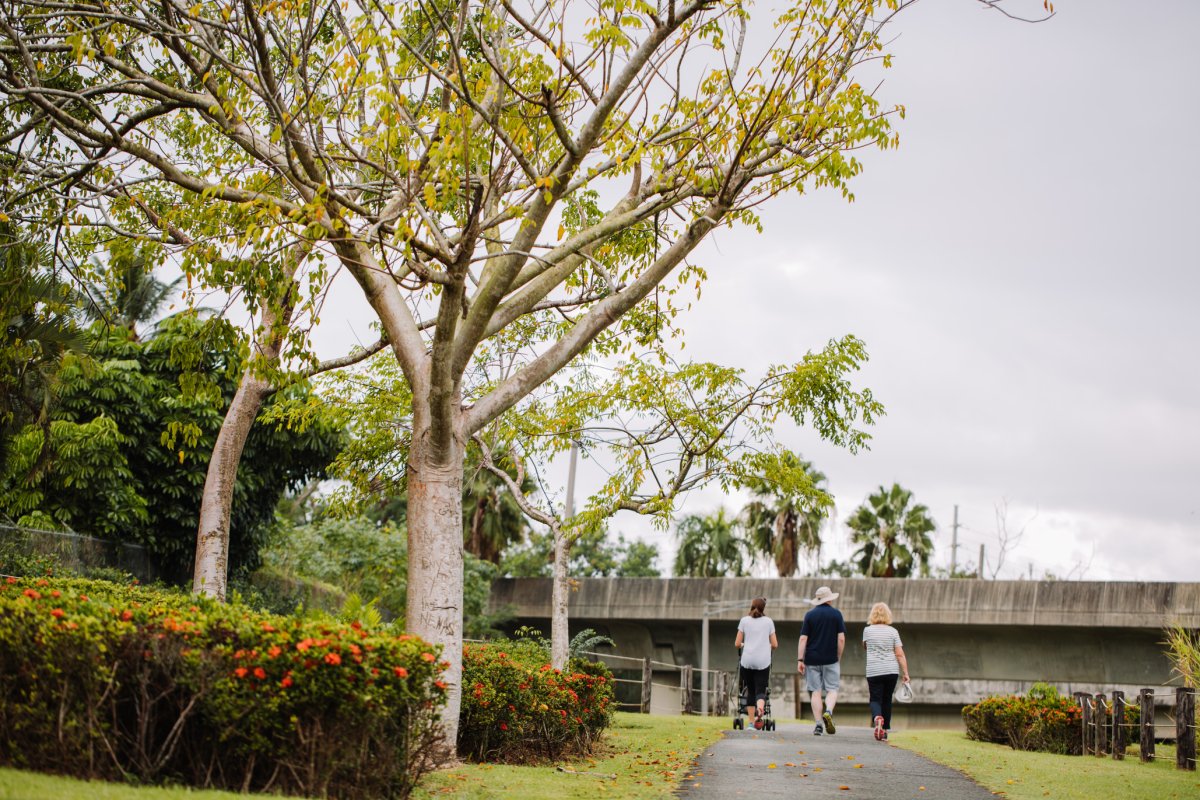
1105	731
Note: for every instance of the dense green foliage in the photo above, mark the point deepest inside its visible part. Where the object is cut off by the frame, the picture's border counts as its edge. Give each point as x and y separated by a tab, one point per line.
117	682
518	708
127	450
710	547
783	525
1042	720
358	556
593	555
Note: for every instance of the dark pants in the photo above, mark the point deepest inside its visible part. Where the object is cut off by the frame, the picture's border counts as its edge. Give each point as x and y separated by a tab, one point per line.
882	688
755	681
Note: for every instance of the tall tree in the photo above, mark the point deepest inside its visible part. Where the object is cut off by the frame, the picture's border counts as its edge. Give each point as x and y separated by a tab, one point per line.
892	536
452	158
784	525
709	547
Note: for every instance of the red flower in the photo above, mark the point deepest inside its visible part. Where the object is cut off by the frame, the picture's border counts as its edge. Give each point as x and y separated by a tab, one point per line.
430	657
32	594
56	593
401	672
267	627
43	582
83	598
503	726
440	684
240	672
304	645
333	659
127	615
275	651
56	613
287	679
260	673
10	581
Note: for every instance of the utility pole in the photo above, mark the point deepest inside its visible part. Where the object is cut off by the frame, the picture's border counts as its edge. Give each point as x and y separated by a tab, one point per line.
954	544
569	511
981	562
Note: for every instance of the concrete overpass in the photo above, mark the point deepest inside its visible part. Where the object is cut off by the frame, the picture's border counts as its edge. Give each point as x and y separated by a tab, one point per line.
965	639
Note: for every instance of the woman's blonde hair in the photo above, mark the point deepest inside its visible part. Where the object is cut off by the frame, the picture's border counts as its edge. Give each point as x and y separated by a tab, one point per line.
880	615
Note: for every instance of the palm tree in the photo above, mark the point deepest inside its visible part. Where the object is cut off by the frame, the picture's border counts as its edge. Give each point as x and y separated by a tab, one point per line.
891	535
709	547
127	294
783	525
492	518
37	329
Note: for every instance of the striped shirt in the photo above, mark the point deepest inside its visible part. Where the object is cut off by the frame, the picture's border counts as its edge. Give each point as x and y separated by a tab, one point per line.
881	642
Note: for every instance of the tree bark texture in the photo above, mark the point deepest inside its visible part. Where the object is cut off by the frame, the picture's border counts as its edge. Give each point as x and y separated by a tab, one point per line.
211	571
561	592
435	566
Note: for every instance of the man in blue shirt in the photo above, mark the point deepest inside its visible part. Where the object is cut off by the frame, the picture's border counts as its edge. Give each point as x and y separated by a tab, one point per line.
819	656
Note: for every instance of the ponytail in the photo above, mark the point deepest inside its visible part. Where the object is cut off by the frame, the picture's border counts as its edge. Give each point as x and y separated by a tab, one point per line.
757	606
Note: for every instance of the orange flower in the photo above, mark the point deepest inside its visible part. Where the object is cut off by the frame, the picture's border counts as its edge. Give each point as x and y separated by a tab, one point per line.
430	657
10	581
333	659
56	593
32	594
268	627
240	672
401	672
260	673
440	684
127	615
83	598
275	651
355	649
56	613
287	680
304	645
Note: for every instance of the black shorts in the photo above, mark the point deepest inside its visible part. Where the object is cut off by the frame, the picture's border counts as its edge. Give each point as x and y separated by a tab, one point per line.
755	681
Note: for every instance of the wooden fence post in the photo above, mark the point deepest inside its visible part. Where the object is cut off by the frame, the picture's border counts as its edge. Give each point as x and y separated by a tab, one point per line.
1185	728
1101	720
685	688
1146	701
799	698
647	675
1119	734
1085	703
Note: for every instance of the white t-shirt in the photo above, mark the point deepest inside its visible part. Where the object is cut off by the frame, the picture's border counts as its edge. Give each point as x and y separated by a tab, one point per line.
881	641
756	641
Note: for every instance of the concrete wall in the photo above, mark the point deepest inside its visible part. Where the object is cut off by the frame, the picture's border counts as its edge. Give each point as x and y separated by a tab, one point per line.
964	639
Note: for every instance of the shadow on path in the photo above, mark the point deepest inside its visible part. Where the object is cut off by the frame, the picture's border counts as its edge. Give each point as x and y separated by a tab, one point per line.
791	762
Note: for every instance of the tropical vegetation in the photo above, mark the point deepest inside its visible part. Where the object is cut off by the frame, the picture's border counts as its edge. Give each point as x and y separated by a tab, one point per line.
891	534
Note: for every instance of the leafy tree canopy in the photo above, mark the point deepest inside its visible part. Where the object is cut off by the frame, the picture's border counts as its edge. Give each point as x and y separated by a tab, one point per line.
132	431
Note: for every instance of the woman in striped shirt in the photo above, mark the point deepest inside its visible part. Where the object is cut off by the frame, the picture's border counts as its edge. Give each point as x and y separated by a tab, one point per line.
885	664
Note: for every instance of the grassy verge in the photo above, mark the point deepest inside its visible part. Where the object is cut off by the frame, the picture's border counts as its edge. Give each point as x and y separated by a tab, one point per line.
641	757
1035	776
17	784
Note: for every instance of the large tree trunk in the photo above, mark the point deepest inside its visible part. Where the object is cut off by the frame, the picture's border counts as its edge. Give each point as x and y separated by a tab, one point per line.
435	565
212	538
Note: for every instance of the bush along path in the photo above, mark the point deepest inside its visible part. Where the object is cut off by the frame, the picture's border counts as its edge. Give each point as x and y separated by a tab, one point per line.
791	762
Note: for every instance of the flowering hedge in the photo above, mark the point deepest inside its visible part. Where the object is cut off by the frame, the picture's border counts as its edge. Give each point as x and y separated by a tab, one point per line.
1043	720
517	708
121	682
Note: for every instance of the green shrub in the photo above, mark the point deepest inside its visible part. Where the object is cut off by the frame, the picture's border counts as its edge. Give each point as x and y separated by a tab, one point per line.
105	681
516	708
1043	720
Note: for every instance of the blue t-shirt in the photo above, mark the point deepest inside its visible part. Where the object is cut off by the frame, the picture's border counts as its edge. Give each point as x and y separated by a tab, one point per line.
822	626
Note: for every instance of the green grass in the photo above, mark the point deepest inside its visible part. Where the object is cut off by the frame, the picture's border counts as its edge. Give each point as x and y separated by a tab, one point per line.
648	755
17	784
1035	776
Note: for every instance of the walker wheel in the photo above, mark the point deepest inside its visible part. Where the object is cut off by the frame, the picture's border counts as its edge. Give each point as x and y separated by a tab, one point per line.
738	724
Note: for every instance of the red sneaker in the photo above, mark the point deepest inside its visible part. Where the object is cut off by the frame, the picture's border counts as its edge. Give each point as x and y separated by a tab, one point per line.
880	733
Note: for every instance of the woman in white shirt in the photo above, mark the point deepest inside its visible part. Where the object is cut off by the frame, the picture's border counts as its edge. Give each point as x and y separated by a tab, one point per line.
885	665
756	639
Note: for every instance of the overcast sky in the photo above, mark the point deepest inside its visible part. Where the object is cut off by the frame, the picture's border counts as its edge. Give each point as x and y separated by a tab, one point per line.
1023	272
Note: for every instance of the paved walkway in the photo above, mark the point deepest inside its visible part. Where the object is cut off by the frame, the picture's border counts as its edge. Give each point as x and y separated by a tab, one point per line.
791	762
